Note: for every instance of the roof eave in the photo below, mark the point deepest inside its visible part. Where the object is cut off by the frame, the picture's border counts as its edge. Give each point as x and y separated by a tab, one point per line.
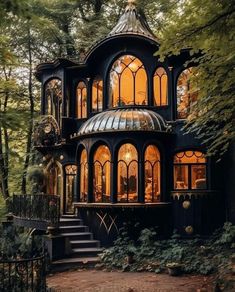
152	40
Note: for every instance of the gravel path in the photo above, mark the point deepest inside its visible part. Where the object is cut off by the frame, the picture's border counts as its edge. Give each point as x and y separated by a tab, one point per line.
101	281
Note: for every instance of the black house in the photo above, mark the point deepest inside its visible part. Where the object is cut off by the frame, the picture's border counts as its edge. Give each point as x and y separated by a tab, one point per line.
112	137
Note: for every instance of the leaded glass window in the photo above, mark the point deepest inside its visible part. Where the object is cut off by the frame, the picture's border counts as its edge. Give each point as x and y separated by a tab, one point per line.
83	176
190	170
70	175
97	95
127	173
187	93
53	99
160	84
128	82
81	105
101	177
152	174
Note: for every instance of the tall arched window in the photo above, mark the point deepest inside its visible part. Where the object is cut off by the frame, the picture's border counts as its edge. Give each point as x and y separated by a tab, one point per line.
97	95
53	99
101	177
70	175
81	104
127	173
190	170
186	93
160	82
83	176
128	82
152	174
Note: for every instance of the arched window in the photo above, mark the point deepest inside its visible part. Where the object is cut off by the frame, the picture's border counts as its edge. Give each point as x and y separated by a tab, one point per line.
186	94
127	173
128	82
160	84
97	95
190	170
54	180
70	174
101	178
83	176
53	99
81	104
152	174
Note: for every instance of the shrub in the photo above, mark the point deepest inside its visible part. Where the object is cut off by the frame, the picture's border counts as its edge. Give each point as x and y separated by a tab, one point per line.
197	255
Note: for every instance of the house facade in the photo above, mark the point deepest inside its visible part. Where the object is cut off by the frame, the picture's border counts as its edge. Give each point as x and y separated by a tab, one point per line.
113	140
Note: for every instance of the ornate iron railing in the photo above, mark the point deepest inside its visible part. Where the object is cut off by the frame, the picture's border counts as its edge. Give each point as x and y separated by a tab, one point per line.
28	275
37	207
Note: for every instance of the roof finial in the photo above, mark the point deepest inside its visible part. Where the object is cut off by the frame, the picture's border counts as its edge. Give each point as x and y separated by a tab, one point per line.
131	1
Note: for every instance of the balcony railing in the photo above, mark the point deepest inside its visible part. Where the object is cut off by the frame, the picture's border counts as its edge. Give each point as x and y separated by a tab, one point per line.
38	208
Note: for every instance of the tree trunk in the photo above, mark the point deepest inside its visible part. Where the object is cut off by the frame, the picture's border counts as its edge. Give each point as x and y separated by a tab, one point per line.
4	154
3	170
30	130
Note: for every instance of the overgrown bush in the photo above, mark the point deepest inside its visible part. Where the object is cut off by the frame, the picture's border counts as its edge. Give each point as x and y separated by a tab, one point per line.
21	267
16	243
197	255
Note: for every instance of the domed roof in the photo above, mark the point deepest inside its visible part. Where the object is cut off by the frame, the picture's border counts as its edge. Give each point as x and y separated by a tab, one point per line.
124	120
131	22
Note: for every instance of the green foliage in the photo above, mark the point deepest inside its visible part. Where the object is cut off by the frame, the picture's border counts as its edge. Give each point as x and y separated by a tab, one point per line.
202	256
206	29
36	178
17	243
3	209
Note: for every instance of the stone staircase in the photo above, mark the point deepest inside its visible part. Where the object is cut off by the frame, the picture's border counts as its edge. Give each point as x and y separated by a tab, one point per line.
84	249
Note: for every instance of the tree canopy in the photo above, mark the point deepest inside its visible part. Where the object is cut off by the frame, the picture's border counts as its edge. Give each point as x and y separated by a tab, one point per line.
207	29
33	31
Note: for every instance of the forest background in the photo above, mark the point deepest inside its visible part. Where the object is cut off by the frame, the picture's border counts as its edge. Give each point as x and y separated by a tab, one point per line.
36	31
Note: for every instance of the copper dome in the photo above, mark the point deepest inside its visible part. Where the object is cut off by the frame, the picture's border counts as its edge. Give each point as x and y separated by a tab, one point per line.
124	120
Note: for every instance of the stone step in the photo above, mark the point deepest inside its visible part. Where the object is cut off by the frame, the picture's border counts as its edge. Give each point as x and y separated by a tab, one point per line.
68	216
70	221
72	229
84	243
78	235
86	252
76	262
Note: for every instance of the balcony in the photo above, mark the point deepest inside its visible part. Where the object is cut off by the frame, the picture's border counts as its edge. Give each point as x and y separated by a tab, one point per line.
36	211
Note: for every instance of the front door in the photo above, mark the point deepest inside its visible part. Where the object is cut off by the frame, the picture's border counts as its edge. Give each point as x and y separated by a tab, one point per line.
70	181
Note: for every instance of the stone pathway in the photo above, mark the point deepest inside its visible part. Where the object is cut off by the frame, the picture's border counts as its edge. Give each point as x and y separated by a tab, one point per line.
100	281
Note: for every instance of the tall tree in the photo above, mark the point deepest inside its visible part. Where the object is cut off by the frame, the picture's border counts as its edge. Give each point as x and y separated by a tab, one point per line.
206	28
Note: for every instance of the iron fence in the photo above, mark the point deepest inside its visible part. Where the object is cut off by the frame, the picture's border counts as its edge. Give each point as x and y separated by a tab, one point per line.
23	275
37	207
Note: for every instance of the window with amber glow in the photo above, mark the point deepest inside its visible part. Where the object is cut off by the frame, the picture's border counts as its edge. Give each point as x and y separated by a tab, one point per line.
187	93
53	99
101	178
97	95
81	105
190	170
70	175
127	173
83	176
128	82
160	83
152	174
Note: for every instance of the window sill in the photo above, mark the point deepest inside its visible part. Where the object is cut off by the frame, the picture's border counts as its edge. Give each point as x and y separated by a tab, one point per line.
122	205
